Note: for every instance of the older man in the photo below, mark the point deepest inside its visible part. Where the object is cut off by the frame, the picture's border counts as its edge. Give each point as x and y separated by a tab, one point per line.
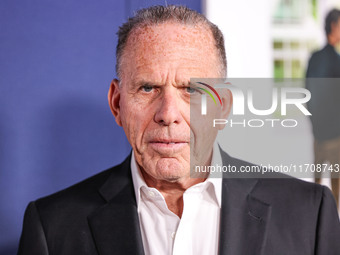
149	204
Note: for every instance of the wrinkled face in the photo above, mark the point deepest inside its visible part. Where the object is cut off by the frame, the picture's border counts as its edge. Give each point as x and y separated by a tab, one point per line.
152	102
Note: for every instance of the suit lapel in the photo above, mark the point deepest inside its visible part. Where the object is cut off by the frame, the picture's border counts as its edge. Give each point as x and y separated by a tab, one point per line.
244	218
115	225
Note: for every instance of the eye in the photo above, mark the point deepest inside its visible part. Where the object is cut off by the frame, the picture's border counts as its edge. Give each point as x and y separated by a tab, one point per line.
147	88
191	90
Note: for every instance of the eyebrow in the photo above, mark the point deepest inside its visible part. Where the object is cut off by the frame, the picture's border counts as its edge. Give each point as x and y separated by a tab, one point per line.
146	82
153	83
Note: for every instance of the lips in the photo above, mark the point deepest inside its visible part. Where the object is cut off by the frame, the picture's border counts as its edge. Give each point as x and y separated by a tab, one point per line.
167	142
170	141
168	146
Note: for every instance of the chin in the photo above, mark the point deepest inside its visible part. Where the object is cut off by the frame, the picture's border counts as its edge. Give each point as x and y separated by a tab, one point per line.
171	174
171	166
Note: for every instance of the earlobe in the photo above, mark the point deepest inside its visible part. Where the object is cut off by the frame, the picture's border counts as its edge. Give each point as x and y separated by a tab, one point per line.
114	99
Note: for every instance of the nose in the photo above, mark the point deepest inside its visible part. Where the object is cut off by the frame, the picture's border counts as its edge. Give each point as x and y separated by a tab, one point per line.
168	109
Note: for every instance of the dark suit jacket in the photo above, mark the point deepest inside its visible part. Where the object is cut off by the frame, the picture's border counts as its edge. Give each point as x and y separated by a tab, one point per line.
325	93
258	216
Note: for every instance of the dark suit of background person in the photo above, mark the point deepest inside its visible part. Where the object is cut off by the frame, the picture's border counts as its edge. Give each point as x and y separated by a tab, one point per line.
325	100
99	215
258	216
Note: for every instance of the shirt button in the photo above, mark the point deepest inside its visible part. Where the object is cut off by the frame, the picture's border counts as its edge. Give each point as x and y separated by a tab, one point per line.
173	234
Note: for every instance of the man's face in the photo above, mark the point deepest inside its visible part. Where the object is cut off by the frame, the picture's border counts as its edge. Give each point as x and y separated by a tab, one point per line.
336	30
152	102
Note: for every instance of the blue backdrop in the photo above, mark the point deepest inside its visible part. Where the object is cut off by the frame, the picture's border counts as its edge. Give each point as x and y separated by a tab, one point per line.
56	64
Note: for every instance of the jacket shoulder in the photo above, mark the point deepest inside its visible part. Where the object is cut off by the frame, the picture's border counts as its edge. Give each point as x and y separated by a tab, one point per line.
276	186
82	196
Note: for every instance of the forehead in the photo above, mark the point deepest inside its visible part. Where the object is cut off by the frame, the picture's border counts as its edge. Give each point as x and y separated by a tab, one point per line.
173	31
169	45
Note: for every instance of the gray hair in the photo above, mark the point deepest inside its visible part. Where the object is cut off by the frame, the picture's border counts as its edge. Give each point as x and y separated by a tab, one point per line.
155	15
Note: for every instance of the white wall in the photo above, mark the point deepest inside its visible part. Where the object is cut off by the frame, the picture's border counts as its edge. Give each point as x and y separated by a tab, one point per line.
246	27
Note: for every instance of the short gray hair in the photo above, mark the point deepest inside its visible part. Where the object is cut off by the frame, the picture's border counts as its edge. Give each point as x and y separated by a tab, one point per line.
155	15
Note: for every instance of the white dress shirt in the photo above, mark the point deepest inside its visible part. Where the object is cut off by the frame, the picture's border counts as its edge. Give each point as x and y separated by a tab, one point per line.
163	232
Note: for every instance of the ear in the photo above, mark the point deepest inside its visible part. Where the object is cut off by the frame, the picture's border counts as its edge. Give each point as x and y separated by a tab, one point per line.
114	100
227	104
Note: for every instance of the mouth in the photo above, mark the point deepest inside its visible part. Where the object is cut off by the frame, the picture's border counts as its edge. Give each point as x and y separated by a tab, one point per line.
167	142
168	146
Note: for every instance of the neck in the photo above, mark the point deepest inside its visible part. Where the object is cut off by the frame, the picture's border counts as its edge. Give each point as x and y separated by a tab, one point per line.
172	191
332	40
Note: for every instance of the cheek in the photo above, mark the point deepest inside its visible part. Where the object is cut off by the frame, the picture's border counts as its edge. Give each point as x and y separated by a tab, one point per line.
135	120
128	118
202	130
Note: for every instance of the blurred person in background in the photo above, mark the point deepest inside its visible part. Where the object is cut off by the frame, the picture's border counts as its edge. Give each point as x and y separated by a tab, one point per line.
325	101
